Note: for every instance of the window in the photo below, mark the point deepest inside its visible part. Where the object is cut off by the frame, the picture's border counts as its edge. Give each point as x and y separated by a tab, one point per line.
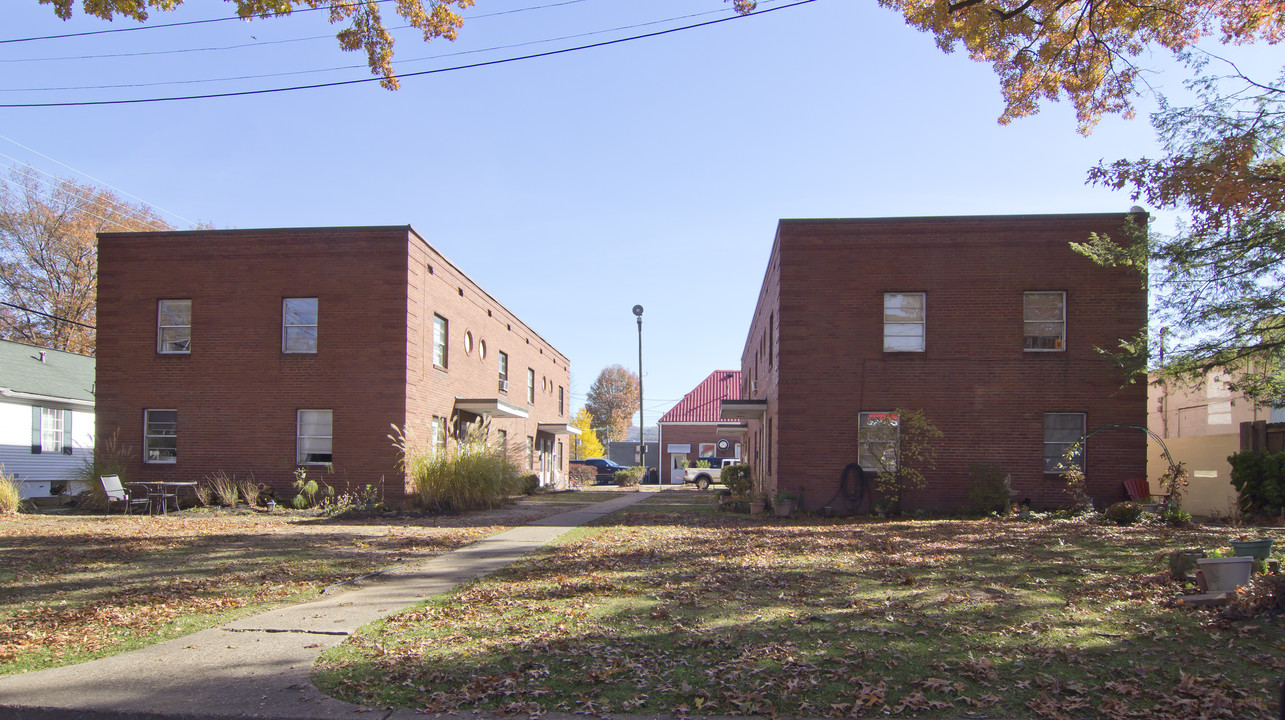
561	399
903	322
440	327
315	429
1061	431
877	441
771	322
468	343
530	385
502	442
1043	321
50	431
504	371
439	436
160	436
174	326
530	453
299	325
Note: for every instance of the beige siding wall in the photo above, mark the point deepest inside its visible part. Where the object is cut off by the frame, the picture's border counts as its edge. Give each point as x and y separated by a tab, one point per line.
1211	492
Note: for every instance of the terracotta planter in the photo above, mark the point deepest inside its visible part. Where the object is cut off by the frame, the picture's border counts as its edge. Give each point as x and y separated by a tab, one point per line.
783	508
1226	574
756	508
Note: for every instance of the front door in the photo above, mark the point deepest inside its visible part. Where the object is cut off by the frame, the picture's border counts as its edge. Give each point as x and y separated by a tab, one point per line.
675	464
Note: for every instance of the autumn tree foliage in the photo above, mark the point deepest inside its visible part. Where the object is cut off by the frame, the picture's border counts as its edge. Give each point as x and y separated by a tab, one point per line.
613	399
587	444
365	31
1219	281
49	256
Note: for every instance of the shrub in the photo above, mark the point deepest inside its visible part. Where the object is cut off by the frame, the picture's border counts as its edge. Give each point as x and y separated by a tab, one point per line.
1177	517
110	458
530	484
310	492
473	473
630	477
583	475
9	497
1259	479
1124	513
701	464
990	490
250	490
737	479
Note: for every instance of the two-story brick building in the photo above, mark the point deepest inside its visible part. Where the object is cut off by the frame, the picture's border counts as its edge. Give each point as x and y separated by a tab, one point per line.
268	350
989	325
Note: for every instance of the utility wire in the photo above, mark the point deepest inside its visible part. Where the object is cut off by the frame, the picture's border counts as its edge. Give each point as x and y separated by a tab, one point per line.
96	180
45	314
408	61
260	43
340	83
117	209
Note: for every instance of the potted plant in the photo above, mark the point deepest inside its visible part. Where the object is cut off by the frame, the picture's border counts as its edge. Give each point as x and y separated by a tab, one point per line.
784	504
1224	572
758	502
1258	548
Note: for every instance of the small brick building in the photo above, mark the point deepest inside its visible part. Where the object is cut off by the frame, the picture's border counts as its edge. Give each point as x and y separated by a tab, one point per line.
989	325
268	350
693	430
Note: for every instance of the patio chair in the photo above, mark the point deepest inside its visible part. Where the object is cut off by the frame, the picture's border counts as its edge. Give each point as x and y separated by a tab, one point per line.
117	493
1140	492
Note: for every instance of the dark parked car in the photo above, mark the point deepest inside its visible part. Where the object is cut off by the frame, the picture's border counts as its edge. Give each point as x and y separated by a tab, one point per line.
606	469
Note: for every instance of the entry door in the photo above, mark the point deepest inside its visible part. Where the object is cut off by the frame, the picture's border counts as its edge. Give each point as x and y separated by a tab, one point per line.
674	466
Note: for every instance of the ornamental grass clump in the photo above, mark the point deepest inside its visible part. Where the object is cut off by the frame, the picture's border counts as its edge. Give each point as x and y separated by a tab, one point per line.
110	457
9	497
467	472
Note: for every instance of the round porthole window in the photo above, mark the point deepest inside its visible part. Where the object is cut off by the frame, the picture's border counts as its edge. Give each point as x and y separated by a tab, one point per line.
481	349
468	343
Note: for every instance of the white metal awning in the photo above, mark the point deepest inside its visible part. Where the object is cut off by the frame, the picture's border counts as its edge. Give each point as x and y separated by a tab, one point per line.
558	429
494	407
732	429
743	409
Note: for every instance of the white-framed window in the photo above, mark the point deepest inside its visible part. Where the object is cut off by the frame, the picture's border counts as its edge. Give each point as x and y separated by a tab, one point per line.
878	440
160	436
299	325
504	371
174	327
1061	431
530	385
468	342
439	435
502	442
903	322
50	431
440	328
530	453
315	437
562	398
1044	321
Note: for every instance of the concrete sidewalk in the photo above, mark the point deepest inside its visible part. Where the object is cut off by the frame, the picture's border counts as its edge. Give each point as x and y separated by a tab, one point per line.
259	667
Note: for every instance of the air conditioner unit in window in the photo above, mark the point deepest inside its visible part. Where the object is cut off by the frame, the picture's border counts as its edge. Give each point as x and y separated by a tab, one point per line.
754	386
504	386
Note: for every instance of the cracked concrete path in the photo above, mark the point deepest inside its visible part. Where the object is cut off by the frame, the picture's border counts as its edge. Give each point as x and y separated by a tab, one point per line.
259	666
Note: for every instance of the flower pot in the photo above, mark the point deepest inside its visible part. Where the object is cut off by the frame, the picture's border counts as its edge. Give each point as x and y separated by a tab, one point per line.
783	508
1226	574
1258	549
756	508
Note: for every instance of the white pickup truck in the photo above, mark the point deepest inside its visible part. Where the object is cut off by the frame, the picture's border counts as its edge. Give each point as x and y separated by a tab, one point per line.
704	477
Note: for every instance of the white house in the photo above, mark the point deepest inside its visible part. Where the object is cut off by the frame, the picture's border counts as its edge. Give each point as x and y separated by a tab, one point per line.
46	416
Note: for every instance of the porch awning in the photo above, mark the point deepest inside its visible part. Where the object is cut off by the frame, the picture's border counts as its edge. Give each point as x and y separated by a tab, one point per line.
558	429
732	429
743	409
494	407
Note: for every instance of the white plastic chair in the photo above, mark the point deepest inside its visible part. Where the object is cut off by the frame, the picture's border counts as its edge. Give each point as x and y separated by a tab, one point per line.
116	493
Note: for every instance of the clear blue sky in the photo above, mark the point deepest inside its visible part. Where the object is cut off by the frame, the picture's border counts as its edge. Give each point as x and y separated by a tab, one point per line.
571	187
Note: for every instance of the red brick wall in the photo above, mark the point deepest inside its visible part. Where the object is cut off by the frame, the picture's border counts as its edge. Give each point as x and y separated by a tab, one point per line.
974	380
761	382
237	394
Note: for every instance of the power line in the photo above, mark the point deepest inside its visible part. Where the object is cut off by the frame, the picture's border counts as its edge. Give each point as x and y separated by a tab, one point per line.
45	314
96	180
48	193
340	83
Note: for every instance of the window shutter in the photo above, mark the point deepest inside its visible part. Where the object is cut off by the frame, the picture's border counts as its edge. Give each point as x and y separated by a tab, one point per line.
66	432
35	430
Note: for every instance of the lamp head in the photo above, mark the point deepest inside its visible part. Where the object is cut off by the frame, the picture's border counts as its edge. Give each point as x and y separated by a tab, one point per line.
638	310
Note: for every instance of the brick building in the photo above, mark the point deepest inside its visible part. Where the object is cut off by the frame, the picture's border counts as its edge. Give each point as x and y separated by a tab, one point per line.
693	429
989	325
267	350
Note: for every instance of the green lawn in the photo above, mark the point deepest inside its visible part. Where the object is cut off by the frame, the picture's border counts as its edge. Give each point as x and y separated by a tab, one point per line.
673	608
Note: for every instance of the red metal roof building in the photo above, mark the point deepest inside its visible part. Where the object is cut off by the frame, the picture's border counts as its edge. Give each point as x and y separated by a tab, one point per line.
692	430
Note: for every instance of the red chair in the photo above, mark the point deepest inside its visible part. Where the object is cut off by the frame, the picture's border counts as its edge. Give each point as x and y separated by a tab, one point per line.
1140	491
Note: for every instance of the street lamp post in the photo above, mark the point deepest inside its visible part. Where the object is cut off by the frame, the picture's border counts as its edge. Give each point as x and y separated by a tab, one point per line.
642	426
